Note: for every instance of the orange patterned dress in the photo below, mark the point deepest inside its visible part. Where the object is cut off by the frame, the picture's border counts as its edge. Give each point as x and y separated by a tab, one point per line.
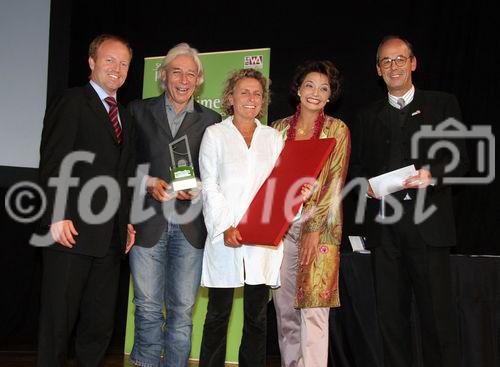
317	283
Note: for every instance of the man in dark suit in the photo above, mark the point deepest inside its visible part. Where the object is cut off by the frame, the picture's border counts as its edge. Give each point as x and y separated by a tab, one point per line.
81	268
166	261
410	255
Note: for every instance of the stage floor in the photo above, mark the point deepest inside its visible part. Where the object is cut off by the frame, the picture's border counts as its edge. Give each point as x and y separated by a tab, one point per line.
25	359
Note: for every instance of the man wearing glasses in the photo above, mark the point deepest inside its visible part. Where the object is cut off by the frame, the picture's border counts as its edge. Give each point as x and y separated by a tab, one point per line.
411	255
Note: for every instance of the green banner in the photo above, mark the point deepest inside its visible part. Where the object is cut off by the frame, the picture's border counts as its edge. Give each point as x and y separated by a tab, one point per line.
217	66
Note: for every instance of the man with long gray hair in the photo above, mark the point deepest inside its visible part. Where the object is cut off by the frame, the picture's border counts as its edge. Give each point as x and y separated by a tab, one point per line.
166	264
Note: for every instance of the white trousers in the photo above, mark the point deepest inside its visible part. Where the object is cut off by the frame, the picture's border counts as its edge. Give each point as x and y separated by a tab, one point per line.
303	333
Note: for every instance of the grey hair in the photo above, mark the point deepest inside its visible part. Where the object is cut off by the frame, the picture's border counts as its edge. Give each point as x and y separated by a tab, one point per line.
178	50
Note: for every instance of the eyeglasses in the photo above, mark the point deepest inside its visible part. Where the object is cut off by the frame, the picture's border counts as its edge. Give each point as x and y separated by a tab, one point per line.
400	61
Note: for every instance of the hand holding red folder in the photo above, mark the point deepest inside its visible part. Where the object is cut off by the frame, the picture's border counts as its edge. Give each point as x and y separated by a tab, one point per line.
278	199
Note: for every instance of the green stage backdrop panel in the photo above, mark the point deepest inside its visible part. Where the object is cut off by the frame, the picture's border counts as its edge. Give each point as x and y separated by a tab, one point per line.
217	66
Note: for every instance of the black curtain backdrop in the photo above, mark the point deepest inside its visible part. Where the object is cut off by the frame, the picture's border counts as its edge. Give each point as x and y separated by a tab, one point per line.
354	337
455	44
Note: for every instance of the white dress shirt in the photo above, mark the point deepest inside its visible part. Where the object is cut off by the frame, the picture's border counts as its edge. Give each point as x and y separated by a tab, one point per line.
407	97
232	173
102	95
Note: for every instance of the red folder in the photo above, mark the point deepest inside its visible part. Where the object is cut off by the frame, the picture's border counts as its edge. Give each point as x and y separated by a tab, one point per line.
272	210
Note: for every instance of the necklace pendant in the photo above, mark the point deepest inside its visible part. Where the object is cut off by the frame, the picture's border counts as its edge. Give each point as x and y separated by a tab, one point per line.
300	131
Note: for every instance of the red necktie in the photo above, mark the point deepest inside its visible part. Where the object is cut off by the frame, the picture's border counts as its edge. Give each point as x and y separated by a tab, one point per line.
113	116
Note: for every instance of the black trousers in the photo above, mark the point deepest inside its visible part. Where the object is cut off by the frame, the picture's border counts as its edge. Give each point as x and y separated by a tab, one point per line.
252	351
77	290
404	265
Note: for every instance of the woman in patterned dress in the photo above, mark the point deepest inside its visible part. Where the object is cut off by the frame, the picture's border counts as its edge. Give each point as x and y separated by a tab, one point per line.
310	267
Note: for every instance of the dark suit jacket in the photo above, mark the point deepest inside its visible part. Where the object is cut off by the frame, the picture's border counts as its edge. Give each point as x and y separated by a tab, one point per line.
77	121
371	154
153	139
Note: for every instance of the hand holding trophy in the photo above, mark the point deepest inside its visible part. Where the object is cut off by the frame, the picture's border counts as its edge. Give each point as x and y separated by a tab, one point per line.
182	170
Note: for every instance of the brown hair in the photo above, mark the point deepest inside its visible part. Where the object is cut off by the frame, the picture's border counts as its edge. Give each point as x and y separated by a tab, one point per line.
324	67
393	37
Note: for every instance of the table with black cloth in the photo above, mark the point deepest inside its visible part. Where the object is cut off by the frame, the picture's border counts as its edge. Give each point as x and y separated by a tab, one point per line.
354	337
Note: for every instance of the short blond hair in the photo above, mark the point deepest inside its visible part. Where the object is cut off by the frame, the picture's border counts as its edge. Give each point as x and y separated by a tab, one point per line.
99	40
230	84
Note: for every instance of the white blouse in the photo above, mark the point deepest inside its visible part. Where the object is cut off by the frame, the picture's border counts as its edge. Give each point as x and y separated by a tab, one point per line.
231	174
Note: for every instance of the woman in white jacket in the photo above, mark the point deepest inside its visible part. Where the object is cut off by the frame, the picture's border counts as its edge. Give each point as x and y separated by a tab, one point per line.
236	156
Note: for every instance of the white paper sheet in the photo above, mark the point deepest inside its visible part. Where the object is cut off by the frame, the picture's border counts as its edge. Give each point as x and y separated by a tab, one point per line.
358	244
390	182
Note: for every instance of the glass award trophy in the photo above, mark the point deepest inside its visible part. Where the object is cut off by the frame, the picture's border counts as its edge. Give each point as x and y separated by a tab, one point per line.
182	170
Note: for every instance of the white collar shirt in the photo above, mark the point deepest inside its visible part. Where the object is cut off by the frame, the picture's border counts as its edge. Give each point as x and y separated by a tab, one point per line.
232	173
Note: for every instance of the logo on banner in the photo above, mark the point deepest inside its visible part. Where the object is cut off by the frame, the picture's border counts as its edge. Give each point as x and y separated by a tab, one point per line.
255	62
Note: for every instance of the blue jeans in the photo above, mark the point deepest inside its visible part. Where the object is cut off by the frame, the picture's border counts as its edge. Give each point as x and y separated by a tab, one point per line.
167	274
